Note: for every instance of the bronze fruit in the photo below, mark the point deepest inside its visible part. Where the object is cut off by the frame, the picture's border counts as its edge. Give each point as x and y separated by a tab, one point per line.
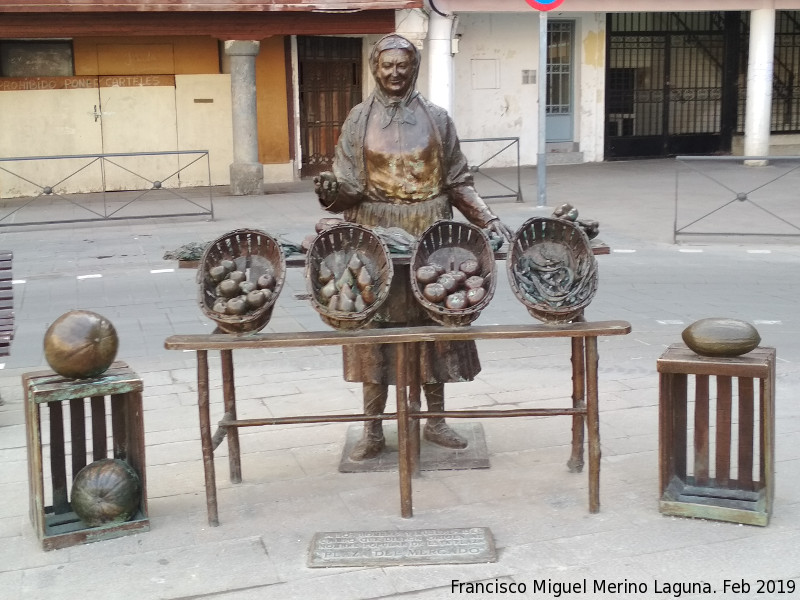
237	306
80	344
247	286
228	288
470	267
266	282
217	273
363	279
721	337
456	300
426	274
368	294
434	292
105	491
237	276
459	276
475	295
448	282
476	281
256	299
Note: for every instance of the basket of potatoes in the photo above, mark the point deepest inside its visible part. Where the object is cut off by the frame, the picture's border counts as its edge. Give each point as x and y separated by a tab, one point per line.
453	272
348	274
240	277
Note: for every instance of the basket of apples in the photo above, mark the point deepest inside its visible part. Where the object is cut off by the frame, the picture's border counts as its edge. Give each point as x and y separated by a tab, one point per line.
453	272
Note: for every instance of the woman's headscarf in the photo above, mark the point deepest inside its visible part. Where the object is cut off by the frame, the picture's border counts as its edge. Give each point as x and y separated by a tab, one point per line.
394	41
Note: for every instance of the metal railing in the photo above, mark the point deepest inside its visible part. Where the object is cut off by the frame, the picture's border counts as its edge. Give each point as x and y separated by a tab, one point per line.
737	196
105	187
504	190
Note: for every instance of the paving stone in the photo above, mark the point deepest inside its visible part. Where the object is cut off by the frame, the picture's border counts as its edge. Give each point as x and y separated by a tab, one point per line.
157	574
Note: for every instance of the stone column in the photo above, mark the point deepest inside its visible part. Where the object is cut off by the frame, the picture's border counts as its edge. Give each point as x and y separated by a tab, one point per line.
247	174
758	113
440	61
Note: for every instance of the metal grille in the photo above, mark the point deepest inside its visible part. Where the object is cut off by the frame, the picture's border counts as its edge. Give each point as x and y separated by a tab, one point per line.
695	83
665	80
786	73
635	102
330	85
559	67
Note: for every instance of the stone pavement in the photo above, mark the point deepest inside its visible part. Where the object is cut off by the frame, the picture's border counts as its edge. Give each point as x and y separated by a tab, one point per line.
535	509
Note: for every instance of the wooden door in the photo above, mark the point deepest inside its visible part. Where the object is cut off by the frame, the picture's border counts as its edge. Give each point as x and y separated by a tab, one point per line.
330	85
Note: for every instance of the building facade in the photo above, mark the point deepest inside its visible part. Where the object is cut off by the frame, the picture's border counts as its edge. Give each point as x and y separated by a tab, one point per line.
264	86
641	78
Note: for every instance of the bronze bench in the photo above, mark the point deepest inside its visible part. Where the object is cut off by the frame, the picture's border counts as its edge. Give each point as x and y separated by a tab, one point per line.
584	411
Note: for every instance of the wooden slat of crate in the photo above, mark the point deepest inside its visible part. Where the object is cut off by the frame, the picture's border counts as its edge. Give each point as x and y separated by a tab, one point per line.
709	502
47	386
679	359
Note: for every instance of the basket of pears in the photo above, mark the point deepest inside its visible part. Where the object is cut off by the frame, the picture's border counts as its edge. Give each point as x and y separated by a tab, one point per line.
240	277
348	274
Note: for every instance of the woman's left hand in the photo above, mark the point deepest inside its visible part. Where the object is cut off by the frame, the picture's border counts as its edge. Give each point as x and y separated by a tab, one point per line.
498	227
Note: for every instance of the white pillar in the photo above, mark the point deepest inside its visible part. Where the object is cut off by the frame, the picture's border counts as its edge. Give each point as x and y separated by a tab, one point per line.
247	174
440	61
757	121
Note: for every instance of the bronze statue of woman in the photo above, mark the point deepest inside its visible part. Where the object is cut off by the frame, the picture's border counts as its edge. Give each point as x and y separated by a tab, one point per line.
398	163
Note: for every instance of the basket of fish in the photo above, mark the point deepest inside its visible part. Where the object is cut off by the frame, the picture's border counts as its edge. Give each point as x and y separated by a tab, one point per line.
552	269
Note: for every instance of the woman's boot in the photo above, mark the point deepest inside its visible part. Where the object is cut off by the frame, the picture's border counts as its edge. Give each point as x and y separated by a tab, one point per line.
372	442
436	430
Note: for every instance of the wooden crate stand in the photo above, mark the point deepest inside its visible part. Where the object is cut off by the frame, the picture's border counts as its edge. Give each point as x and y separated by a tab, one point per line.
57	525
744	496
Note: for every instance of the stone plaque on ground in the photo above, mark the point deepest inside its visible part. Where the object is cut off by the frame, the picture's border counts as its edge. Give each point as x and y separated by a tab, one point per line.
432	457
418	547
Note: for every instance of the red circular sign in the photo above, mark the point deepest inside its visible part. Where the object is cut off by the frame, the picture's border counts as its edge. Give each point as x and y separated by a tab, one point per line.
544	4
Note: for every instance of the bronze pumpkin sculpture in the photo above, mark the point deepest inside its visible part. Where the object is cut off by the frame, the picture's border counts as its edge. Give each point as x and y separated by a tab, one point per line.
106	491
80	344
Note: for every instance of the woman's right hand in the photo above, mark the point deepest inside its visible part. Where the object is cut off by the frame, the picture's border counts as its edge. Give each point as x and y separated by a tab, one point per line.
326	187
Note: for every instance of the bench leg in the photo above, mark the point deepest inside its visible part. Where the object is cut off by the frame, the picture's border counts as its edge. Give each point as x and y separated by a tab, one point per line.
593	424
232	433
205	437
404	446
575	462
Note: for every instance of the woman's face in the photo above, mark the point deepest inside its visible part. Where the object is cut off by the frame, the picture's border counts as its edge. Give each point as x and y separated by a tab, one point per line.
395	72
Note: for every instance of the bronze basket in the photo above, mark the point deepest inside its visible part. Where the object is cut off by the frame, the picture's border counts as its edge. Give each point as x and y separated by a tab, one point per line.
255	253
449	244
335	248
552	269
